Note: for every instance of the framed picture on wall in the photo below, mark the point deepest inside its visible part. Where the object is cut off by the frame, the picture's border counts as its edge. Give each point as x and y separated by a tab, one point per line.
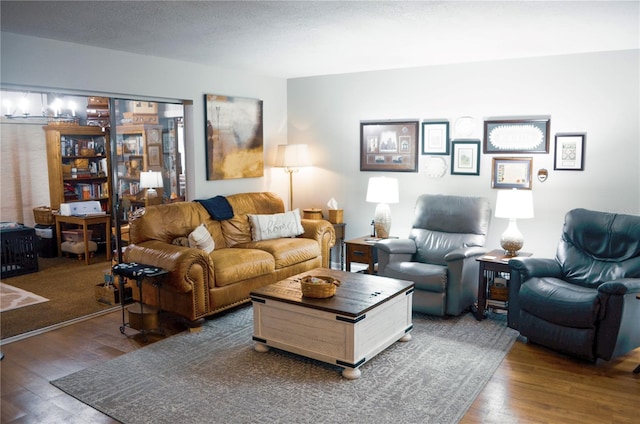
511	173
234	137
389	146
569	151
517	135
435	137
465	157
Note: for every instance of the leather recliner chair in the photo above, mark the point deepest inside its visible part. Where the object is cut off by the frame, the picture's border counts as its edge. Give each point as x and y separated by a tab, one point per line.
447	235
583	302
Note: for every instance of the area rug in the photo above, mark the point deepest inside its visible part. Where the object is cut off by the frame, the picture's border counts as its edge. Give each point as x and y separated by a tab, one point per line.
216	376
14	298
69	285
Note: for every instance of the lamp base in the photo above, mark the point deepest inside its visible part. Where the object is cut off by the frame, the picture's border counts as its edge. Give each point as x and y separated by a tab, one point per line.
512	239
382	220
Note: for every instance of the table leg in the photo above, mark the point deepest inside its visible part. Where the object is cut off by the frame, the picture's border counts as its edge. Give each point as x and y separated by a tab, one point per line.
86	243
107	232
482	293
59	238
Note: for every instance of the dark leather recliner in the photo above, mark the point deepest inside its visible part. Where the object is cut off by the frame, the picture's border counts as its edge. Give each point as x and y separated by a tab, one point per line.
447	235
583	302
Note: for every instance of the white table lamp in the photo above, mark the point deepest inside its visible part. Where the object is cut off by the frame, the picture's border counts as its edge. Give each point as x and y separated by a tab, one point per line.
513	204
151	180
382	190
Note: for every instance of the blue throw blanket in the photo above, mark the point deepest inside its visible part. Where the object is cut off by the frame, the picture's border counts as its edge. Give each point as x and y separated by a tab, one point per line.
218	207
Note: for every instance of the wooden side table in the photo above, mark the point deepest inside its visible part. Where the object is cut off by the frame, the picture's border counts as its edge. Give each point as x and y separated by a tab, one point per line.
491	264
85	221
340	235
362	250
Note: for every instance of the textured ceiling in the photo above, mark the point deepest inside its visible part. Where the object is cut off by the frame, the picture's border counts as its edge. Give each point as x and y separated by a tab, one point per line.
305	38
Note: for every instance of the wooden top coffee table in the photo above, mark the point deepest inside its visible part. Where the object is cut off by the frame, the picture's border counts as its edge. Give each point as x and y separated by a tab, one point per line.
366	315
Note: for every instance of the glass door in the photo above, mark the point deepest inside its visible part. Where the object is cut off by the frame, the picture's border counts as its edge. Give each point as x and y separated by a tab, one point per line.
147	151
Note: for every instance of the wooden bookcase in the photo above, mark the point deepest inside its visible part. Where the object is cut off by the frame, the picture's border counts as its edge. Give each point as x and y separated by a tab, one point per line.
79	165
139	149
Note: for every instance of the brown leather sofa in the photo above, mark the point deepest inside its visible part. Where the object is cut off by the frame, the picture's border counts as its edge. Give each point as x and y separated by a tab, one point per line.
201	284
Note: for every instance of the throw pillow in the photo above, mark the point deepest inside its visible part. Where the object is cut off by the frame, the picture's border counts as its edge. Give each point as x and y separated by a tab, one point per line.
267	227
201	239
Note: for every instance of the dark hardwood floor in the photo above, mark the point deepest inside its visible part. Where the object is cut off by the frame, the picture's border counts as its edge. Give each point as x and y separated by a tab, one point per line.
532	385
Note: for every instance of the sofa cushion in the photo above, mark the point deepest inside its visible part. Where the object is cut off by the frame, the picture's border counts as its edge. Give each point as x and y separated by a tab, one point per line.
287	251
233	265
277	225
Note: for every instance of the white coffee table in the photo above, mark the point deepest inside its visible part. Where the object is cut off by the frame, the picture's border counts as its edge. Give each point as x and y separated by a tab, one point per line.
366	315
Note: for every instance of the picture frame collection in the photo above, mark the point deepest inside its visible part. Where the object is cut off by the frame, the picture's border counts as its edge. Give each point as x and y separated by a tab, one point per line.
393	146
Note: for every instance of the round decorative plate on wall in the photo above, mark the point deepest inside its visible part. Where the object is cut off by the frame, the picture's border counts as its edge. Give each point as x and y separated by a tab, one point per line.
435	167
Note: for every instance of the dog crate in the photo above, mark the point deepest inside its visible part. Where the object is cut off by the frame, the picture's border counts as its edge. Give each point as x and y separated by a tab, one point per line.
19	251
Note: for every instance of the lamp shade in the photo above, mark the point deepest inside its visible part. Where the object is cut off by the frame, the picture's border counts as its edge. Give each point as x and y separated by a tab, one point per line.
151	179
382	190
514	204
292	156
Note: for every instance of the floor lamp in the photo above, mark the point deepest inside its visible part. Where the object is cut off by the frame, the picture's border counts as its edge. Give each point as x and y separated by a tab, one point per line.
292	157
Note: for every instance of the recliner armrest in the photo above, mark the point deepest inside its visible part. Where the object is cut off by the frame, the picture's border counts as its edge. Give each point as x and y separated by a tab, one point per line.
464	253
536	267
392	246
621	286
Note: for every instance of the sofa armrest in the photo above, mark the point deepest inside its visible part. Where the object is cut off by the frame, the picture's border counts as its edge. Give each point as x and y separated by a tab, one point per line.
323	232
188	267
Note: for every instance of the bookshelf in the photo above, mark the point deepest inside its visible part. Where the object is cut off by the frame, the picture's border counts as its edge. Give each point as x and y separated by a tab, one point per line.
79	165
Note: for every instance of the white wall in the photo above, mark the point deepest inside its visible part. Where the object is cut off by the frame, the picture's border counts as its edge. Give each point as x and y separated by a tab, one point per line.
593	93
35	62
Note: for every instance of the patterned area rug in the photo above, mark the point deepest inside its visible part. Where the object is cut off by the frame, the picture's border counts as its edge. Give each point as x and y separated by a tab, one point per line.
217	376
14	298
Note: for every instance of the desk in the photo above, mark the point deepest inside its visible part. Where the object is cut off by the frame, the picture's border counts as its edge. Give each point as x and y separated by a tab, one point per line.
492	263
362	251
85	221
340	231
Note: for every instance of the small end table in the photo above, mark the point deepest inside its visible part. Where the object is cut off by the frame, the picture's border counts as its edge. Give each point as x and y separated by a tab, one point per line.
139	273
492	263
85	221
362	250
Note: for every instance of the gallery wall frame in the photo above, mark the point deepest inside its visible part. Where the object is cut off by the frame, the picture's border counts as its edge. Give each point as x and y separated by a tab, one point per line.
569	151
511	172
517	135
465	157
234	137
435	137
390	146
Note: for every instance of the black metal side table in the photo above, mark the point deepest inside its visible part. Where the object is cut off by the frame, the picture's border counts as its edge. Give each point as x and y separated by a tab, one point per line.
139	273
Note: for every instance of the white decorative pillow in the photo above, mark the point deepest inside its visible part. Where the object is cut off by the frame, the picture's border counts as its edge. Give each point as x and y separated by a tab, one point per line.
201	239
266	227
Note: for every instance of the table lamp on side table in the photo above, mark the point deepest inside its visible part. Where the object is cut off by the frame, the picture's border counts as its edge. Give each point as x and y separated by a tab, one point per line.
382	190
513	204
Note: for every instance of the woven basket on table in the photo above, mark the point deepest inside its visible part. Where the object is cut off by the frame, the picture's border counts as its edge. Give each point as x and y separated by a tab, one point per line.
318	287
42	215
